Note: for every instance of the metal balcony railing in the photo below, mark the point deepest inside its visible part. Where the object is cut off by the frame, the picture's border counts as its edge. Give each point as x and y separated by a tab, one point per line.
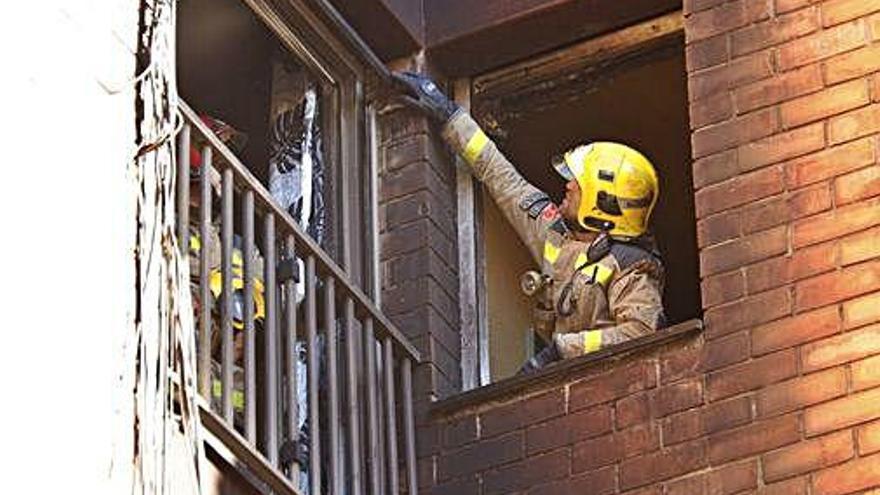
359	366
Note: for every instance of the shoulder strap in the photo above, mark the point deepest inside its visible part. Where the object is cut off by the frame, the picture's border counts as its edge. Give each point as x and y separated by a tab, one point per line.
629	253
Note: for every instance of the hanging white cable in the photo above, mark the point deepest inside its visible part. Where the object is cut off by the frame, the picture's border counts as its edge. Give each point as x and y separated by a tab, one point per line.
165	461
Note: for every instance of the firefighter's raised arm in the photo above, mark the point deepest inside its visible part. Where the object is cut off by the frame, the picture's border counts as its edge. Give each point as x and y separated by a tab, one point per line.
527	208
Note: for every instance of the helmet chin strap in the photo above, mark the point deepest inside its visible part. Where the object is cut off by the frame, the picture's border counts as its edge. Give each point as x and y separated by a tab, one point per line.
599	248
579	231
576	227
573	225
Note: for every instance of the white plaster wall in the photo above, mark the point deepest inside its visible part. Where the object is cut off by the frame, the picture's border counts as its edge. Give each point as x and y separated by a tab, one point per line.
67	210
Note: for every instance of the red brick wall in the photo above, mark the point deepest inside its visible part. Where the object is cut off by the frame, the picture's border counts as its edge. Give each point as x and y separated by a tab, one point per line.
418	251
619	426
781	394
785	118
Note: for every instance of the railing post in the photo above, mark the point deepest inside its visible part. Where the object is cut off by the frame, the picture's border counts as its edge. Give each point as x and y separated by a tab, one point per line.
373	437
290	356
183	163
250	375
332	382
271	344
313	367
354	410
390	416
207	241
409	432
227	298
380	384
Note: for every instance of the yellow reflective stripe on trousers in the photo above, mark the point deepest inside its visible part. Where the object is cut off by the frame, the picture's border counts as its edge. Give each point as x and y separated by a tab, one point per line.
475	146
551	252
237	395
592	340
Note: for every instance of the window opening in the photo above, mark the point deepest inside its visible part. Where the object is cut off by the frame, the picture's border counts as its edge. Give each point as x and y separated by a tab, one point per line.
639	100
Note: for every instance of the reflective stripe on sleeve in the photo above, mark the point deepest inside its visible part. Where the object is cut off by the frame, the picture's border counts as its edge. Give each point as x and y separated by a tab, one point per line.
602	274
551	252
475	146
599	273
592	340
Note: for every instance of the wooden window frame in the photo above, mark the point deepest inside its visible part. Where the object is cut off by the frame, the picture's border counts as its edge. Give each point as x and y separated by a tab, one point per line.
347	85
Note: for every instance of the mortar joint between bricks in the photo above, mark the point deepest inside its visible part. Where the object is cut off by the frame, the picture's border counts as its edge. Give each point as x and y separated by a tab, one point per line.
617	477
478	425
774	61
614	428
857	448
838	256
847	375
566	393
659	422
801	426
832	187
745	286
798	361
753	406
760	473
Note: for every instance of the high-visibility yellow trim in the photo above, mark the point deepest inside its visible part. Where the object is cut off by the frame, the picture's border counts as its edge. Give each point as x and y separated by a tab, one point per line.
600	273
195	244
237	395
215	283
475	146
592	340
551	252
603	275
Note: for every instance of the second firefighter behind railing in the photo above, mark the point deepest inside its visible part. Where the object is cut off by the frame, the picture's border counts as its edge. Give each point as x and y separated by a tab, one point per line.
602	275
235	140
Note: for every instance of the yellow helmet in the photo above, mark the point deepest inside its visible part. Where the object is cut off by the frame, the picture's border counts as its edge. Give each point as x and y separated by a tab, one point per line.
618	184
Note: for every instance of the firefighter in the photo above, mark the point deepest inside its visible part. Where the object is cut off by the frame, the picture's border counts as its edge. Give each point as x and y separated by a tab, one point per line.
236	140
601	278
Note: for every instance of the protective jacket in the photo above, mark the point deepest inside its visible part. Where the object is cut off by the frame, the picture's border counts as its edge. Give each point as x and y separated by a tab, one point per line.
588	303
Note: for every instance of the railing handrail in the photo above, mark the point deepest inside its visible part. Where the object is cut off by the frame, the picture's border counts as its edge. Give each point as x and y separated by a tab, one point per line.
243	452
303	240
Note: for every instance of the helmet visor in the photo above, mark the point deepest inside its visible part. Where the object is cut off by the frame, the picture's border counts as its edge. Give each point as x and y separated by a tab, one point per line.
561	167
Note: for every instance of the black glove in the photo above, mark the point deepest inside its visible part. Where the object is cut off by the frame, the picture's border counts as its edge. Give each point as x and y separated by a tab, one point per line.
548	355
420	92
